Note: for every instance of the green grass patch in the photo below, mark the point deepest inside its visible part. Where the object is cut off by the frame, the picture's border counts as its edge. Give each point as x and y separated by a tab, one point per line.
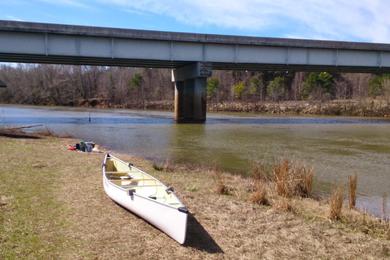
31	217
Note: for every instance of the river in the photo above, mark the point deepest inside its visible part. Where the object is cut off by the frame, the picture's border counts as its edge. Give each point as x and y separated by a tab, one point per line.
336	146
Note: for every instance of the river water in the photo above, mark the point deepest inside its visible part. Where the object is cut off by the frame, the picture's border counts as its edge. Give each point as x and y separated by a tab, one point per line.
336	146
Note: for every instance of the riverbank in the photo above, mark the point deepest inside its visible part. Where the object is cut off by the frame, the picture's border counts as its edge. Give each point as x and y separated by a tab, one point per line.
53	206
362	108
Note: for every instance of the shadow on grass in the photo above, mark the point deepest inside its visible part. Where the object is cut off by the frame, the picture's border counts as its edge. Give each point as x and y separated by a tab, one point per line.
199	238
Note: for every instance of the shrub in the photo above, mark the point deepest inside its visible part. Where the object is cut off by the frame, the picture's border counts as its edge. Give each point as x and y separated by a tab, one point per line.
276	89
259	172
281	174
304	181
212	87
136	81
254	86
220	186
259	196
336	203
157	166
293	180
238	89
379	85
167	166
318	85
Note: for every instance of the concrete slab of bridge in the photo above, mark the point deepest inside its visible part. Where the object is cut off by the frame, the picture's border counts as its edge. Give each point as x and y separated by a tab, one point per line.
190	92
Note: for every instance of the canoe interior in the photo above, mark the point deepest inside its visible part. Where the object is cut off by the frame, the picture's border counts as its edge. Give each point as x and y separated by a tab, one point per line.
128	177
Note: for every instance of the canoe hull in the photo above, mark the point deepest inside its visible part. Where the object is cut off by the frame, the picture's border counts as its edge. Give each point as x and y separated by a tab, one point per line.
170	220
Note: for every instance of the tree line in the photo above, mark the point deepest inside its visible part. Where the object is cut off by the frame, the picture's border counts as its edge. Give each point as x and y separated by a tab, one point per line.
134	87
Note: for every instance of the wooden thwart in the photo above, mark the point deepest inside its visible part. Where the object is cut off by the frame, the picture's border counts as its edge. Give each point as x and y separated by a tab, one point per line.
142	179
117	172
139	186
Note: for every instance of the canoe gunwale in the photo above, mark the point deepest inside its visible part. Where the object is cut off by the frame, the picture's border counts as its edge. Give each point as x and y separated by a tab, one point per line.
182	209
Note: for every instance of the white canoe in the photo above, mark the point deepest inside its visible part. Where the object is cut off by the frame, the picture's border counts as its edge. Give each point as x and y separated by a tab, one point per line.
145	196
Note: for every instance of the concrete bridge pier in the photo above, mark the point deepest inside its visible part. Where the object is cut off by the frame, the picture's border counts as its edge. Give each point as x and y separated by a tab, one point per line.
190	92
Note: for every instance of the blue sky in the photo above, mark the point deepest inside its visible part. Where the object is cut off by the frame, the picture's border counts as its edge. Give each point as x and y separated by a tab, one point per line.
359	20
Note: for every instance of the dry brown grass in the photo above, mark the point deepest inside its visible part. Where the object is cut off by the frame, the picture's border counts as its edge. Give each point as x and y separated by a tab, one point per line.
283	205
336	203
167	166
352	191
360	222
259	172
293	179
158	167
220	227
259	195
305	177
282	179
220	186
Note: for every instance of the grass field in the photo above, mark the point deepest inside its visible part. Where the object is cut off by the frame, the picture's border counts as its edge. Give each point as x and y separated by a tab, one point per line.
52	205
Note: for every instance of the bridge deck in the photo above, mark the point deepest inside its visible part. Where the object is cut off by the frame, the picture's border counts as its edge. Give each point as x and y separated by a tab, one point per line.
69	44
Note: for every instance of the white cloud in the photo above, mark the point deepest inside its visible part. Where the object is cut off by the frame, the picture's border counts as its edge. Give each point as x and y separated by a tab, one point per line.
13	18
365	20
72	3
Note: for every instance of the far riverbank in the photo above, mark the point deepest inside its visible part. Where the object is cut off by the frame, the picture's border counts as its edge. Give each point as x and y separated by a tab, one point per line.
361	108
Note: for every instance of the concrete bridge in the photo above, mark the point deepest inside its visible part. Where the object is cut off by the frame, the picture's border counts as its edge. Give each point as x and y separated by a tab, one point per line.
192	57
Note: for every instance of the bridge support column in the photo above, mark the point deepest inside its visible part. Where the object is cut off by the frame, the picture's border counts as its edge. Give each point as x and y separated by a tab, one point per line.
190	92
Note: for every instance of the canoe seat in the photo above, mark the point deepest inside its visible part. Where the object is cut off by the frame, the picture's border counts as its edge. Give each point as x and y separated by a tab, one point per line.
115	172
141	179
157	198
136	185
116	177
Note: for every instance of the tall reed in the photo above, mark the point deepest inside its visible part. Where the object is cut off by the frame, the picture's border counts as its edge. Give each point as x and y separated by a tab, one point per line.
281	175
336	203
388	232
384	206
304	186
292	179
352	191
